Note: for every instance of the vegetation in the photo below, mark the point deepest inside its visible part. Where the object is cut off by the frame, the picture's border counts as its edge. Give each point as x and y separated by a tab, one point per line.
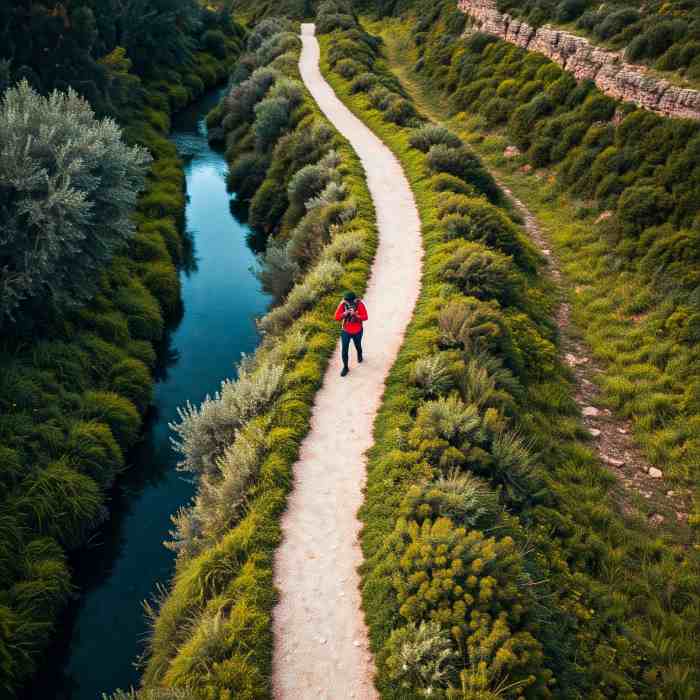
75	378
60	230
212	634
637	179
663	34
497	564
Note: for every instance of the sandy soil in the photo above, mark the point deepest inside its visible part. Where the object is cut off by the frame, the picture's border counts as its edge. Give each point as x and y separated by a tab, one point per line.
321	649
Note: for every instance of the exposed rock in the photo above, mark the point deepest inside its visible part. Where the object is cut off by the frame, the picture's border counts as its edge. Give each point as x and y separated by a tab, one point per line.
670	493
612	461
656	519
512	152
594	432
655	473
608	69
603	217
622	431
591	412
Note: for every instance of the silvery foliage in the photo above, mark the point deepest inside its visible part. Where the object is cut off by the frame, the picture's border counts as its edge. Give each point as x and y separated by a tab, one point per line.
203	433
222	492
321	279
422	657
465	499
68	186
266	29
278	270
221	495
344	246
331	160
333	192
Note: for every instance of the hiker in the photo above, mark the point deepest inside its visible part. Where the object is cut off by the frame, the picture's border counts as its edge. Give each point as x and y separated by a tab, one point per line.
352	312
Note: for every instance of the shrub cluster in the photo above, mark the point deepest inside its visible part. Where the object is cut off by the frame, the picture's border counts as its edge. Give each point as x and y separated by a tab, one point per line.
477	453
74	382
662	33
640	169
212	633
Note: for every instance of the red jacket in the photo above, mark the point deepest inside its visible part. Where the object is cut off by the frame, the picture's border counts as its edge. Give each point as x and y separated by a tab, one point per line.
354	324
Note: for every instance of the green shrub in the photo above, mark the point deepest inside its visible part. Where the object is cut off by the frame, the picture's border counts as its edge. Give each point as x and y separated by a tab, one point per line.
401	112
163	282
59	502
131	379
117	412
464	165
268	206
432	135
483	273
93	450
142	311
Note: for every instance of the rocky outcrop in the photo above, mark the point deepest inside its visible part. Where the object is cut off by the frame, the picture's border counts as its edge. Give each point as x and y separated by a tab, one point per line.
608	69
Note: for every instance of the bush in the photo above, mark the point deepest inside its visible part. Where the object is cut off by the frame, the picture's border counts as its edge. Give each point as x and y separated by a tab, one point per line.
643	206
55	247
268	206
59	502
432	135
93	450
348	68
142	311
214	41
483	273
307	183
272	119
246	173
570	10
363	83
131	379
163	282
462	164
117	412
401	112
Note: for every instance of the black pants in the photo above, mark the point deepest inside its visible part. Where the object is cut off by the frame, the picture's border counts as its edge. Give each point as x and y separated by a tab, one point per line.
345	339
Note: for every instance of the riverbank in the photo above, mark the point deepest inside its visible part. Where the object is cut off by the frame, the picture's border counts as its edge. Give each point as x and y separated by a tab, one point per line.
126	560
212	631
74	387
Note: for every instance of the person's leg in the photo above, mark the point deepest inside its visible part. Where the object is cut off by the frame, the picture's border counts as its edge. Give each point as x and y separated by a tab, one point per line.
357	340
344	347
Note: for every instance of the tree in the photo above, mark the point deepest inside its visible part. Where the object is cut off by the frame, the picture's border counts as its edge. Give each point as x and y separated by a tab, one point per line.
68	185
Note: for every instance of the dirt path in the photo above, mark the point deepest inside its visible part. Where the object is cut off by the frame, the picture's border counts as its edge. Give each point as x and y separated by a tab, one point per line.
321	649
611	433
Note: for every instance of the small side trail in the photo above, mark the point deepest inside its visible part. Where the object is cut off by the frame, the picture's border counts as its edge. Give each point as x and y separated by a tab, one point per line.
320	638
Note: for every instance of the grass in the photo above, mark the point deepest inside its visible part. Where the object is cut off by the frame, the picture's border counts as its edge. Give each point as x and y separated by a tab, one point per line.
621	319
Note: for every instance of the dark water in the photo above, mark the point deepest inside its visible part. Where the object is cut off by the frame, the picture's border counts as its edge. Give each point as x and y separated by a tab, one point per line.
103	631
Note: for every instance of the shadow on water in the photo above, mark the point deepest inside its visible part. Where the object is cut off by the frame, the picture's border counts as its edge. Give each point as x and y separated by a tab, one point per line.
102	630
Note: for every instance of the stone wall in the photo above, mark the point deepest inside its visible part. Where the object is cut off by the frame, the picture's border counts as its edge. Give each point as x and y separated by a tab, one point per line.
608	69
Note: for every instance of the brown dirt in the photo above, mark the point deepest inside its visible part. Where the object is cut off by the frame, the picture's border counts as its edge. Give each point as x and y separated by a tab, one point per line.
320	637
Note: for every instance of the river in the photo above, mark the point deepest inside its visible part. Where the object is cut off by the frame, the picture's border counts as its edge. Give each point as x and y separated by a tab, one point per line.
102	632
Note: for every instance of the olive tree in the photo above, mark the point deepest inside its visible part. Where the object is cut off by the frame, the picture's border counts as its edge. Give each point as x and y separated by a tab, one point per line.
68	186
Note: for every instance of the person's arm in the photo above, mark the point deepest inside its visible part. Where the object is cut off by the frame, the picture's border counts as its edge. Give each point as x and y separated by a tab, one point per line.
340	312
362	311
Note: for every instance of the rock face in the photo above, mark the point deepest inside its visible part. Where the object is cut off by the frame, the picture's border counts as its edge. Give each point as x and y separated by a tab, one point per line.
608	69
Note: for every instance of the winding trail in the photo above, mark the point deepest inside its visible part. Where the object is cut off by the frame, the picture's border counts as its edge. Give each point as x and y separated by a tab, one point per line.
320	638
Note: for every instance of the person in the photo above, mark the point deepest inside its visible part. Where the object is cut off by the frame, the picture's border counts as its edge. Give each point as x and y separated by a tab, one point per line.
352	313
